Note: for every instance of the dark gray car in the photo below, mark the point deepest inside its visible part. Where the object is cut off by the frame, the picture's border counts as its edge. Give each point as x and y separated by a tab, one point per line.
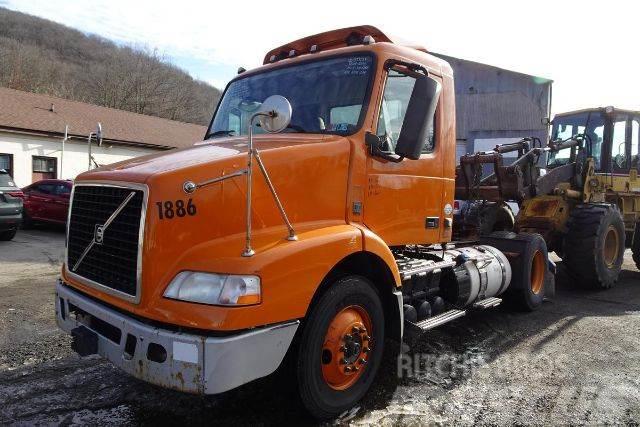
10	206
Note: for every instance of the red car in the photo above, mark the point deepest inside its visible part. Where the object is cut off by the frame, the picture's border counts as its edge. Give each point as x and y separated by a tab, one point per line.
47	201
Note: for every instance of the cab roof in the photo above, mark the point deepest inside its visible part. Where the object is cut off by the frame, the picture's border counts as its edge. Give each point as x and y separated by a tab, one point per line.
608	109
334	39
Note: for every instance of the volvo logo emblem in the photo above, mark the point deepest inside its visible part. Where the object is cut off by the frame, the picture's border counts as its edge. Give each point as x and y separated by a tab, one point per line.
98	235
98	231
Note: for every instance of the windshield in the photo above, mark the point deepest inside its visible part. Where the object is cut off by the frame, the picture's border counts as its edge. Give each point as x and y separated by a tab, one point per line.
565	127
327	96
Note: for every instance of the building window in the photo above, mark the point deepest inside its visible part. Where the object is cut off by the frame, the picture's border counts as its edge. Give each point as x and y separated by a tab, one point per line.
44	168
6	163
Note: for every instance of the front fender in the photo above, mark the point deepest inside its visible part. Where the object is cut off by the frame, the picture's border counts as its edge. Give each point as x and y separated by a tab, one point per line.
374	244
290	273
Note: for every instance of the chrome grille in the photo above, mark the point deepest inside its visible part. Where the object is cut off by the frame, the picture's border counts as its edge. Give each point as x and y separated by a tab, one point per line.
109	257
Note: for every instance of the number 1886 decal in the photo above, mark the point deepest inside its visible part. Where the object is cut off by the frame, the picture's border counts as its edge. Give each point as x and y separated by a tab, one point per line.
170	209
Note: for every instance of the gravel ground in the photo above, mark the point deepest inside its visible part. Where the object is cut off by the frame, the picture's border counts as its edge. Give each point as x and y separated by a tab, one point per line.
574	361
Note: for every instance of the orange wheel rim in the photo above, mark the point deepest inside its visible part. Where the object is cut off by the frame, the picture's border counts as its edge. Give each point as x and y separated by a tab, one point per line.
537	272
347	347
611	246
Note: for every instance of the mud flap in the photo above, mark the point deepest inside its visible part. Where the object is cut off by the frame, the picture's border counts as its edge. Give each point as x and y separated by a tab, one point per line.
84	341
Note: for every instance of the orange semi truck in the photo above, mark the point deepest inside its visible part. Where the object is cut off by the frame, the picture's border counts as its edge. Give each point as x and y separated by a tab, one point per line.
313	224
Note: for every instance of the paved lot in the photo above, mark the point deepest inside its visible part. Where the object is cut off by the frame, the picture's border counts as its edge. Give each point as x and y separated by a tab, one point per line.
575	361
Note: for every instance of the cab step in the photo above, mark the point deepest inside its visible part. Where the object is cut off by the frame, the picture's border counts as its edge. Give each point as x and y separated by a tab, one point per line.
440	319
487	303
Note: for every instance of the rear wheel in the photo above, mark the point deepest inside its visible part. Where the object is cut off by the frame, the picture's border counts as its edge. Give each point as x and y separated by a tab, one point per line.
594	245
341	347
529	269
8	235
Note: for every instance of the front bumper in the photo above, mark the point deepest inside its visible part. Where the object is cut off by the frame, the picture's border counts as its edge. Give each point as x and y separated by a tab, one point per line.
192	363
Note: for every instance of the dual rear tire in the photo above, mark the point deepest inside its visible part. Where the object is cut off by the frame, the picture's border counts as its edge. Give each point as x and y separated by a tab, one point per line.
530	276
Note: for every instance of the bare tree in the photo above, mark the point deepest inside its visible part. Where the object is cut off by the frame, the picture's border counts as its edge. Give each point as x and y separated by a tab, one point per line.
41	56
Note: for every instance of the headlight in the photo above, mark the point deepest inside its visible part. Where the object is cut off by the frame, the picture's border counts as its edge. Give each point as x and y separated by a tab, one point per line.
215	289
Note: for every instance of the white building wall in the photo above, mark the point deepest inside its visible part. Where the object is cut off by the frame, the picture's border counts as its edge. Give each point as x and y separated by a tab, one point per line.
75	160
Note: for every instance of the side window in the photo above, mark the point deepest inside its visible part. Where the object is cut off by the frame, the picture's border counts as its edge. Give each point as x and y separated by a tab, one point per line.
345	114
597	137
62	189
619	143
45	188
635	131
395	100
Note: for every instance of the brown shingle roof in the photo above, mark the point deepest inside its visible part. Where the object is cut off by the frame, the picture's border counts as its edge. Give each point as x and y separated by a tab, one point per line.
30	112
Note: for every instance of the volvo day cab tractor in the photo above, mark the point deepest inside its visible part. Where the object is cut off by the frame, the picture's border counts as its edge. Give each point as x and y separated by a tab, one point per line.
585	202
309	228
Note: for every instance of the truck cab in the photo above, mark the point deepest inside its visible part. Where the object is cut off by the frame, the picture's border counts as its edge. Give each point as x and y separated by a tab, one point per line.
311	223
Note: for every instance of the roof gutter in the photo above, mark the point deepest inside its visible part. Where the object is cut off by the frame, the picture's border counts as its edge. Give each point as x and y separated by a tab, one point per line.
83	138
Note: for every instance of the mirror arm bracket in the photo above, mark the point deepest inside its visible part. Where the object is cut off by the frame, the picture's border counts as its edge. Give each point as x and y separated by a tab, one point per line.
409	65
373	142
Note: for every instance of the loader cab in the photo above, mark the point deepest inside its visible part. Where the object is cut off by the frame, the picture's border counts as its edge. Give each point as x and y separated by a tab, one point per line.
611	138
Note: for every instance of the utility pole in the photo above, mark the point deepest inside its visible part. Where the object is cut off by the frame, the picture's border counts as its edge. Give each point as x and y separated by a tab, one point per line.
66	135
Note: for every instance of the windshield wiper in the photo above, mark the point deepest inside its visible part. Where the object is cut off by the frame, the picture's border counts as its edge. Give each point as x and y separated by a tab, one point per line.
296	128
221	133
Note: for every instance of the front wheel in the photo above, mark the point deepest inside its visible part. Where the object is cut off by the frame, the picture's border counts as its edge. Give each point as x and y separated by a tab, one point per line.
341	347
594	245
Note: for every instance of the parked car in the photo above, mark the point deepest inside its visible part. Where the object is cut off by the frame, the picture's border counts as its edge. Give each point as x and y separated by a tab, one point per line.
47	201
10	206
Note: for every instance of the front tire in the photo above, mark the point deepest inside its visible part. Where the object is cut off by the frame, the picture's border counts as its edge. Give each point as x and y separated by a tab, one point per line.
341	347
594	245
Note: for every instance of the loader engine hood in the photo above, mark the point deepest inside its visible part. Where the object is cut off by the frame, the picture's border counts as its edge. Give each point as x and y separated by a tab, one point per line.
310	175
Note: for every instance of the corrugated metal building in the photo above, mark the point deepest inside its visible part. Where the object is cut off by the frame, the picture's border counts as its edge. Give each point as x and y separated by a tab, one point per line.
496	106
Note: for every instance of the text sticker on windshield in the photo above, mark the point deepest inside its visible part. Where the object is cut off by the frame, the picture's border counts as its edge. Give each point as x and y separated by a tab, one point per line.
358	66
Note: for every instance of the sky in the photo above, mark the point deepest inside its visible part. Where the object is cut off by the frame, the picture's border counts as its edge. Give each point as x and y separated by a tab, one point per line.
589	48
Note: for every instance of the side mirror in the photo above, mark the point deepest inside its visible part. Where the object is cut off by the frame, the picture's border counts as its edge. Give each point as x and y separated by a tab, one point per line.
418	118
99	134
275	114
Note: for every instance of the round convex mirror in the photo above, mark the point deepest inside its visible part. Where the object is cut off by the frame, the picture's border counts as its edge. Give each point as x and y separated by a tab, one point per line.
278	110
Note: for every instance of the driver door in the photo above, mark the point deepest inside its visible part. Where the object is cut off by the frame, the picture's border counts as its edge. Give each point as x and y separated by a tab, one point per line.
403	200
620	144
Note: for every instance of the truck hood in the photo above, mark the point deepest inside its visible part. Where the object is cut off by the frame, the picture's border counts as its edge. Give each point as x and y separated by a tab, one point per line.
309	173
140	169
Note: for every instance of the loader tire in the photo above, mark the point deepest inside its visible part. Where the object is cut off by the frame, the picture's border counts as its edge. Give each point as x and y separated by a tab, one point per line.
341	347
530	275
496	217
635	246
594	246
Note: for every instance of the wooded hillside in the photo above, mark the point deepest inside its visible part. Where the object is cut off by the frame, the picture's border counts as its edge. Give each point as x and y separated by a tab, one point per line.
38	55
